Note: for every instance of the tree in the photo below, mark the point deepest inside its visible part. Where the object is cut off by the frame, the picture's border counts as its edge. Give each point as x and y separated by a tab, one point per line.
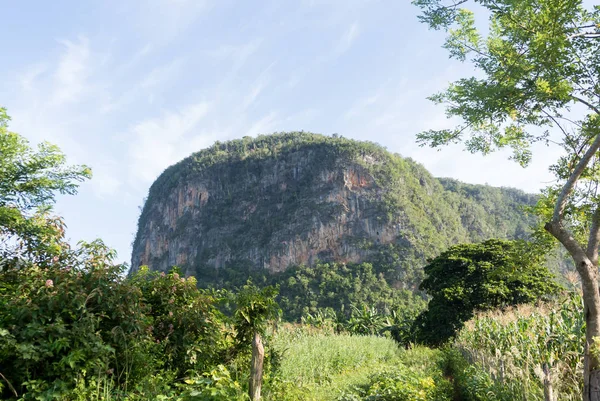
470	277
539	66
29	182
255	307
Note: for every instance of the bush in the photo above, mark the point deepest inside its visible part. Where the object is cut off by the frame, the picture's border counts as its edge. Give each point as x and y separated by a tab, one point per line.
66	317
184	321
479	277
217	385
74	322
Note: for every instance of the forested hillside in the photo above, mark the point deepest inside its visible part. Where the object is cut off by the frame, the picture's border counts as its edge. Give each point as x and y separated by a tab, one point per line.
264	204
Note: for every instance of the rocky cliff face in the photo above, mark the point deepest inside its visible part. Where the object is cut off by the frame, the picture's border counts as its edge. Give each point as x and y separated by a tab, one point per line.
290	199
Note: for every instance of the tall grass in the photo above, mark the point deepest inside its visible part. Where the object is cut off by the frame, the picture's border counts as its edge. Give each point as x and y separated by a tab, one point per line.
529	352
320	365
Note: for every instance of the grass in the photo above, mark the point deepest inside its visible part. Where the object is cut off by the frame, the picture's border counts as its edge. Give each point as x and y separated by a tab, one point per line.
309	365
317	365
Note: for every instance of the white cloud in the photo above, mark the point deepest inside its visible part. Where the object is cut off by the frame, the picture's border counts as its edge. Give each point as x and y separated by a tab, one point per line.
73	71
263	126
162	74
158	142
145	86
257	87
238	53
28	79
134	61
106	181
347	39
361	105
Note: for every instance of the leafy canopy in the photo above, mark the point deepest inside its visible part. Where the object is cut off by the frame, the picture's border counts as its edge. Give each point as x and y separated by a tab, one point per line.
29	182
469	277
255	307
539	59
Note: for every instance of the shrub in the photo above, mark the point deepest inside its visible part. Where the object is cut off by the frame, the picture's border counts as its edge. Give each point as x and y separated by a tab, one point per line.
185	323
70	315
73	325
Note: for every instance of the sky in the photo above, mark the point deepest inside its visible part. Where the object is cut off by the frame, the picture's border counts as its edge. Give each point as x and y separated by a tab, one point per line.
131	87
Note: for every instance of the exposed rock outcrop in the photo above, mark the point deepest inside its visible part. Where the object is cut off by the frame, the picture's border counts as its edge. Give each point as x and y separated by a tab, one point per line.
287	199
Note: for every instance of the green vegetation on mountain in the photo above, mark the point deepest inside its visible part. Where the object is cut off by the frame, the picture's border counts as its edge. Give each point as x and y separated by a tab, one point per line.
274	197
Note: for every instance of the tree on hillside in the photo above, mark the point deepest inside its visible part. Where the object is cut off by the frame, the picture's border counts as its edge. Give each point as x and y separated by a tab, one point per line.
29	182
254	309
539	66
470	277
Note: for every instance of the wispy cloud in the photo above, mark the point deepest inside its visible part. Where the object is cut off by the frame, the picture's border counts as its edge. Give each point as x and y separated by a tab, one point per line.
145	86
107	180
157	143
135	59
27	79
347	39
73	71
263	126
359	106
257	86
162	74
238	53
164	20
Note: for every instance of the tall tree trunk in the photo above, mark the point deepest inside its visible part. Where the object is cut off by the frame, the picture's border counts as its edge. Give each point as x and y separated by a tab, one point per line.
591	365
256	369
548	390
586	262
591	307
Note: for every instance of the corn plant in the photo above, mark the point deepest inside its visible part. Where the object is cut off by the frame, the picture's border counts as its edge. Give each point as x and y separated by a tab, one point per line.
539	350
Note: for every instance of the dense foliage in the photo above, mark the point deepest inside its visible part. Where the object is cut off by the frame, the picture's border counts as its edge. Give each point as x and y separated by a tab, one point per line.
337	286
72	327
488	275
419	377
75	321
29	180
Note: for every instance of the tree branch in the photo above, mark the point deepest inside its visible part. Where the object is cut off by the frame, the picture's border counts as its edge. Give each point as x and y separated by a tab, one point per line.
550	116
10	385
571	121
456	4
561	202
588	104
570	243
588	26
587	35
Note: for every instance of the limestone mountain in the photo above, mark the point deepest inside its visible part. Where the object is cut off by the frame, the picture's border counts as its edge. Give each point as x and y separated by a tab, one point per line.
267	203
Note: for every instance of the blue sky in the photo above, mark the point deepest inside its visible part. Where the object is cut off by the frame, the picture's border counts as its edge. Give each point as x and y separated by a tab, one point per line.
131	87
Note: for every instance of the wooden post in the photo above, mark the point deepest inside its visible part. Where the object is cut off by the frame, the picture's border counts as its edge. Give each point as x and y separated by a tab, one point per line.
256	369
548	390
